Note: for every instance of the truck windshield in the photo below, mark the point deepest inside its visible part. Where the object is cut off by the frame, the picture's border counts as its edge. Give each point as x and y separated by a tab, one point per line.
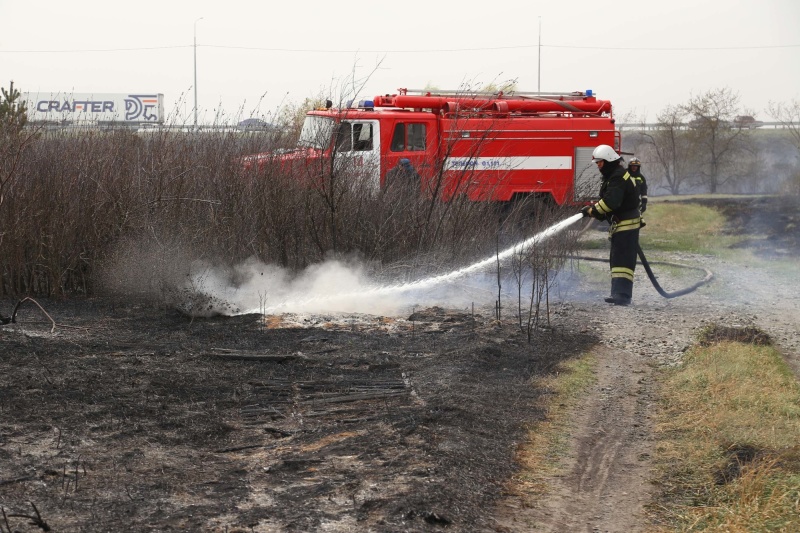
316	132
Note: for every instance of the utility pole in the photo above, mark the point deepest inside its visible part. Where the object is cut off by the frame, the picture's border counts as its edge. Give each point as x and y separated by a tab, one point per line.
539	74
195	71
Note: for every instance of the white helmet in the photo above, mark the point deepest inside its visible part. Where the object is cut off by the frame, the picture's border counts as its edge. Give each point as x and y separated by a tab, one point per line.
604	153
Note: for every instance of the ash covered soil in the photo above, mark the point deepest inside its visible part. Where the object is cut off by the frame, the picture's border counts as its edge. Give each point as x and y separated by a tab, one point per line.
128	417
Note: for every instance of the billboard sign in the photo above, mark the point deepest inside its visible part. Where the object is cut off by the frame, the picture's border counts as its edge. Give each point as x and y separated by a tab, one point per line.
77	108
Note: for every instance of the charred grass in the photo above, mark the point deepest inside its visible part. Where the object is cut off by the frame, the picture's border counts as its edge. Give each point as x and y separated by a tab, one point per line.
134	418
728	436
769	224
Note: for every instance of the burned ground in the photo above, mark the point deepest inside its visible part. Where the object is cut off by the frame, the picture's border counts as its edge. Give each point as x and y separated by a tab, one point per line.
131	417
772	223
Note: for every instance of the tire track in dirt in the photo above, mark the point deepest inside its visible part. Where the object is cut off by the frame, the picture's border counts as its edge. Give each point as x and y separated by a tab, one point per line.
610	450
604	480
603	484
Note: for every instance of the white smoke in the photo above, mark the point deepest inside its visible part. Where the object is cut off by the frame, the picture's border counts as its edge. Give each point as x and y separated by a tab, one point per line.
255	287
332	286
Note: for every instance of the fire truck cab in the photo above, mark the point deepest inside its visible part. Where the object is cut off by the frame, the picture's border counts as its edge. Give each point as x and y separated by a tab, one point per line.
489	147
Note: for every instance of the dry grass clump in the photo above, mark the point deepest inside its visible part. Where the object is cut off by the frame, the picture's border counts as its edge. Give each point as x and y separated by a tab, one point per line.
728	439
717	333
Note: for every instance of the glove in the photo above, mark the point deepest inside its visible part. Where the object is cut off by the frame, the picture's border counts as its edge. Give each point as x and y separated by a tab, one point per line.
587	211
644	204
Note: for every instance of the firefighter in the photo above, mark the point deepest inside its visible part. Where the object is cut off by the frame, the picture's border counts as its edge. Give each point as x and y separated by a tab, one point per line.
403	176
635	170
619	205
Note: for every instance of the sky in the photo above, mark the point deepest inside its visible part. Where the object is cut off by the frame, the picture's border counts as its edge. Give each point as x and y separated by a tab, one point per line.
252	58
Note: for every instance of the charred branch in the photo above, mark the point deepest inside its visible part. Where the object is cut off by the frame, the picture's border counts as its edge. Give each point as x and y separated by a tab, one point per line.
28	299
34	520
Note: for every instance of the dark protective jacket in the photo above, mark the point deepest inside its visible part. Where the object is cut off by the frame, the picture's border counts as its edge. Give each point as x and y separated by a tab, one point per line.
619	195
642	182
619	204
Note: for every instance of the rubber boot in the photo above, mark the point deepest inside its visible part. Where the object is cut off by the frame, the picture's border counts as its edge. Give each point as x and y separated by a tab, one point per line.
621	291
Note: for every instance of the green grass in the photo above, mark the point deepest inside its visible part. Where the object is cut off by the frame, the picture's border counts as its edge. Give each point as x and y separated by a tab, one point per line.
685	227
691	228
676	227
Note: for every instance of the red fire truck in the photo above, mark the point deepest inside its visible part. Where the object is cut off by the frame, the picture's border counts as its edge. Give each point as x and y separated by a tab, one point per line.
486	146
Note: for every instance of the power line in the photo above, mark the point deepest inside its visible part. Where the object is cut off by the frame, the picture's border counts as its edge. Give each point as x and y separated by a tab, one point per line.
94	50
676	49
426	51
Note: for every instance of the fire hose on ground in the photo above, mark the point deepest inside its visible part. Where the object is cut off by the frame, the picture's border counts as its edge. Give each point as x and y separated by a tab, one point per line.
674	294
646	264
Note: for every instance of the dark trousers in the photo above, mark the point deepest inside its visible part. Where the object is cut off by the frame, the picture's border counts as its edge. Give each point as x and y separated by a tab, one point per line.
623	262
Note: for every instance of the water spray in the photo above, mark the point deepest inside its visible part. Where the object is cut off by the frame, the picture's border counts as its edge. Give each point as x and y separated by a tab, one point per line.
424	283
204	297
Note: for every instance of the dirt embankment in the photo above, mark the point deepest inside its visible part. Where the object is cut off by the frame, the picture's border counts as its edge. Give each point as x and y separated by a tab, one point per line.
134	418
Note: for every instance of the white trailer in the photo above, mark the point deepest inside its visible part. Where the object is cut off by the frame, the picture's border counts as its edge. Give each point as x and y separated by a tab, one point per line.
95	108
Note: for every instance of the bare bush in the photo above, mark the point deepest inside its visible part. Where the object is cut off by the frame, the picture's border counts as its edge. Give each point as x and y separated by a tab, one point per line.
15	138
535	268
93	208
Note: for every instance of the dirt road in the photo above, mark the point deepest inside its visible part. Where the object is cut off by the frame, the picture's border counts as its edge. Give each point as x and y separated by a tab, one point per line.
603	483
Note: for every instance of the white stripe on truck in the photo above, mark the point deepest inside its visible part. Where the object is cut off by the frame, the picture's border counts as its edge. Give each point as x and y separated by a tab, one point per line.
509	163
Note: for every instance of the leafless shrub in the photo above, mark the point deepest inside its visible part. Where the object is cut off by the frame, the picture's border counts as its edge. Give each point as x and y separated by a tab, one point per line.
535	268
15	138
100	209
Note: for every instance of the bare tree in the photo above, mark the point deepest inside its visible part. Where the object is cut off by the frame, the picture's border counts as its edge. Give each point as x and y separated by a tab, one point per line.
714	131
344	171
671	147
788	114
